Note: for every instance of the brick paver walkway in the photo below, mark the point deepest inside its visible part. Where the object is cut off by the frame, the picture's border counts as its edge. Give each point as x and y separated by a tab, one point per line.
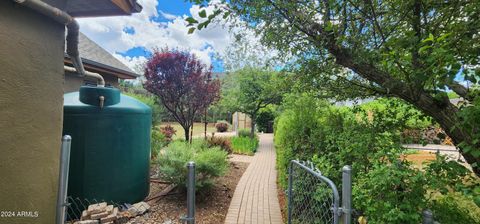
255	199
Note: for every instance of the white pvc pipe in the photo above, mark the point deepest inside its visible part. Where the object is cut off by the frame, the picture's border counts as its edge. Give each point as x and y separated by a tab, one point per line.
101	81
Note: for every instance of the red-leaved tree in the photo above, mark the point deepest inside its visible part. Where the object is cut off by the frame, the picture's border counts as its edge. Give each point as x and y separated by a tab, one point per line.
183	84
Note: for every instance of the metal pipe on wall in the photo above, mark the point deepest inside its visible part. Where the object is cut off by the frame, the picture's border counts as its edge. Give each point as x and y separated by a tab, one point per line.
73	30
101	81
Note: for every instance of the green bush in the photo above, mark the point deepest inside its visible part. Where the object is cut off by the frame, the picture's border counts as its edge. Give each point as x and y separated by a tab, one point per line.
296	131
210	163
158	141
244	133
390	193
265	118
367	137
454	208
151	101
244	145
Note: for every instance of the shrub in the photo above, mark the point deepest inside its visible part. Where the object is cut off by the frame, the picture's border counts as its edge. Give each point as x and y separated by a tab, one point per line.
244	145
158	110
210	164
265	119
244	133
158	141
454	208
168	131
221	126
367	137
222	142
390	193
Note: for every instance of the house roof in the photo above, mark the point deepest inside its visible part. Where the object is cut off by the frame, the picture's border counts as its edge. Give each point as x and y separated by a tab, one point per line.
89	8
97	59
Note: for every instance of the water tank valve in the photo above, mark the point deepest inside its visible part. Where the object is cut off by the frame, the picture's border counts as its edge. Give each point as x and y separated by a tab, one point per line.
102	101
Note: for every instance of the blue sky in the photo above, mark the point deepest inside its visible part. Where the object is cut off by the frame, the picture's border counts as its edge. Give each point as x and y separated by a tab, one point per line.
160	24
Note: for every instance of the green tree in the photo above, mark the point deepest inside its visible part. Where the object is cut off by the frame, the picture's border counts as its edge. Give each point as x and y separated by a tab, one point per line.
416	50
248	90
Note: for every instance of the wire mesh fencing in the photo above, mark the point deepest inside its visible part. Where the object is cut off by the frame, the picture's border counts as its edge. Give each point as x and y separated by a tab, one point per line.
313	198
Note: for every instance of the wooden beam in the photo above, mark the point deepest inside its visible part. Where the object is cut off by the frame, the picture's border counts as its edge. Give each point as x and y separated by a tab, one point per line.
124	5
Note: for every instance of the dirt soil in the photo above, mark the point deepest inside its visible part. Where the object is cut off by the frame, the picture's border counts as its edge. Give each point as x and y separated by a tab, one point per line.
282	199
211	207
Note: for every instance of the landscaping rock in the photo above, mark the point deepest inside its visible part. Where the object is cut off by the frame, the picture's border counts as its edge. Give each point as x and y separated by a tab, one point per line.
85	215
87	222
97	208
110	218
99	215
139	208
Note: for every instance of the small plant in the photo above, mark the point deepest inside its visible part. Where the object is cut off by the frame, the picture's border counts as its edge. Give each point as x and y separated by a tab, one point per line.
221	126
222	142
244	133
210	163
244	145
168	131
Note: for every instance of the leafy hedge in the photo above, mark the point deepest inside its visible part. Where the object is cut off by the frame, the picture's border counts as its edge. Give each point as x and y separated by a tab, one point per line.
386	189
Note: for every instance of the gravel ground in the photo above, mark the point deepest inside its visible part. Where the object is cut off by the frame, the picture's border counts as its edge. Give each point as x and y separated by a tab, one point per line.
211	207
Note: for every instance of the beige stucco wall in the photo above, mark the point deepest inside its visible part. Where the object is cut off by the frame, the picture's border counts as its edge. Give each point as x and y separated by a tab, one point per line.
73	81
31	99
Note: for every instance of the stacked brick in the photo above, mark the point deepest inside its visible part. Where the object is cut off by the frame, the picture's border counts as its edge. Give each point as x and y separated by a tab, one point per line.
102	213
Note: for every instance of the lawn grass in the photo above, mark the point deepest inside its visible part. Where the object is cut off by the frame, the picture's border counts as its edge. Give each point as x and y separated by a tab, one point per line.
198	129
244	145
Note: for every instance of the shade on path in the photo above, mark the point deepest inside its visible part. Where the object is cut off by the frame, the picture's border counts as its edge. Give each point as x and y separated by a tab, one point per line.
255	199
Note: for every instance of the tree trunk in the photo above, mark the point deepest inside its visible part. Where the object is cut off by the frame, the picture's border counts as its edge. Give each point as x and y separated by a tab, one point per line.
206	123
191	134
445	113
447	117
187	133
252	129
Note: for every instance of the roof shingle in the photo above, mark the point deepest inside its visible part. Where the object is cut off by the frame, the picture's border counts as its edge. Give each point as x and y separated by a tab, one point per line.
92	53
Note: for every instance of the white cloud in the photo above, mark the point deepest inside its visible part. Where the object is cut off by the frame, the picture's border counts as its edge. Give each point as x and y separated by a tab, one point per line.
167	15
217	39
109	32
134	63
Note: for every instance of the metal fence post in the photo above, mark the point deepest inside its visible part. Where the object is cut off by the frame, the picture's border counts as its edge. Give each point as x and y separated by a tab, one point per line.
63	178
290	190
427	217
191	193
347	194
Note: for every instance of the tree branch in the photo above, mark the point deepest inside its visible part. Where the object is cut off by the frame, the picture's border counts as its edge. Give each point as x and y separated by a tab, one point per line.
460	90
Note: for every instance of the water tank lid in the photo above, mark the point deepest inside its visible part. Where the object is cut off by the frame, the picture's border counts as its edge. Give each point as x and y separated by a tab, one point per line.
91	95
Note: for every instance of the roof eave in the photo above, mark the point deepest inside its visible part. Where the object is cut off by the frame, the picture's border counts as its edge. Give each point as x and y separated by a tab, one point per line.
94	66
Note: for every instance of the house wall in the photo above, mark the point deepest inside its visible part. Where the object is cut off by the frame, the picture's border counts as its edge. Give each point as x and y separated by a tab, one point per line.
73	81
31	108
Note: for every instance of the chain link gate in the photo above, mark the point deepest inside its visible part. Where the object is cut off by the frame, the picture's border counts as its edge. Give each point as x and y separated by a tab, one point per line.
314	198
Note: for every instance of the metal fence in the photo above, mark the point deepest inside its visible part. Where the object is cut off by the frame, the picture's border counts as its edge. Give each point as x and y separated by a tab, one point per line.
81	209
102	210
73	209
314	198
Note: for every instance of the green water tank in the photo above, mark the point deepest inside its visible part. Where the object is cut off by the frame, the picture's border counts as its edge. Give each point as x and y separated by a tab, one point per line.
110	151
